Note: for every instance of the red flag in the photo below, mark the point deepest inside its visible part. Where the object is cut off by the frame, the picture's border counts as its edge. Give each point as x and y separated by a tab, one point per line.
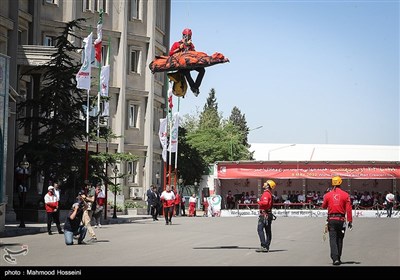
170	102
98	41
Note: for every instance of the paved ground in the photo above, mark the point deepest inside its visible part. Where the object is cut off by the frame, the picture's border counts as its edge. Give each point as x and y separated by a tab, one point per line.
202	241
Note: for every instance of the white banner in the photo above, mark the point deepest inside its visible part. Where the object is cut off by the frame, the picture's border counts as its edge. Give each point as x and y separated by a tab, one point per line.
306	213
84	74
104	79
174	133
162	134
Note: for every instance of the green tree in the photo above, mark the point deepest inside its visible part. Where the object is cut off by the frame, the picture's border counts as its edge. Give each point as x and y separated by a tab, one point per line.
217	139
239	120
51	116
191	164
210	117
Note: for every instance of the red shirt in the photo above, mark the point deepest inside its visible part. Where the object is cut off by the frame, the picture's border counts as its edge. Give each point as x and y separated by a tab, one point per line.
176	45
338	202
265	201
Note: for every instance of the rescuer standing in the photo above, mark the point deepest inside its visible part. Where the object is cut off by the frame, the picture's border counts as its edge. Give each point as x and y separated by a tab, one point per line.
265	218
338	203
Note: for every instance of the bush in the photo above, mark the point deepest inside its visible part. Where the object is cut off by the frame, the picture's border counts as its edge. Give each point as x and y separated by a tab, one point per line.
133	204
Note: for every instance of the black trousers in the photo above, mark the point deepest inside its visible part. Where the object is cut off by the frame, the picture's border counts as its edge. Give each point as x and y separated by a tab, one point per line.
389	209
168	212
154	211
336	234
53	216
199	78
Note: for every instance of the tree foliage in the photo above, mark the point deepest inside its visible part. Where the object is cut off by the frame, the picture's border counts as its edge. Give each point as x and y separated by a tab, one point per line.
217	139
240	122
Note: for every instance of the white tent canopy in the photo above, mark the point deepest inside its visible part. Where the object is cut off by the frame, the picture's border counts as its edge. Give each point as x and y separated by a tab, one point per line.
324	152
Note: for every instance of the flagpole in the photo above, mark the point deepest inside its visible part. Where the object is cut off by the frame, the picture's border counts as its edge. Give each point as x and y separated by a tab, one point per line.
169	146
87	137
108	127
177	145
98	44
83	82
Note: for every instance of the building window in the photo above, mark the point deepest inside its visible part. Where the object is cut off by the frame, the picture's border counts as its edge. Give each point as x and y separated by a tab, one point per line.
159	77
87	5
104	6
160	15
49	40
135	9
104	54
97	5
134	60
133	115
132	172
51	2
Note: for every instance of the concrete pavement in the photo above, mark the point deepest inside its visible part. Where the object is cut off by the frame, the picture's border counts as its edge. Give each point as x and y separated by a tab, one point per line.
13	229
213	242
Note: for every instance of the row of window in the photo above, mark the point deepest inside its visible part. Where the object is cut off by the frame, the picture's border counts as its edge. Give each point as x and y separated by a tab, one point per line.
135	8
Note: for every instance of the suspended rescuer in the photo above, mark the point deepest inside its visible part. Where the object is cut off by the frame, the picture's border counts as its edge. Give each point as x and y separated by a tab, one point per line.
265	217
339	207
186	45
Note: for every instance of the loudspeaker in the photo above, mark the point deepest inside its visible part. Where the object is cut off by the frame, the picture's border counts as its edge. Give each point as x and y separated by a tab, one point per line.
206	192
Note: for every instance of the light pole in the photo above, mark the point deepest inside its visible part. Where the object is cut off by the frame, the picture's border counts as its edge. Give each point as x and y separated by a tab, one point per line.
242	133
74	169
24	166
286	146
157	178
180	181
115	171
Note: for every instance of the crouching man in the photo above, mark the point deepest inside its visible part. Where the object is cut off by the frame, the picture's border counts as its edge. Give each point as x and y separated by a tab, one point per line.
73	226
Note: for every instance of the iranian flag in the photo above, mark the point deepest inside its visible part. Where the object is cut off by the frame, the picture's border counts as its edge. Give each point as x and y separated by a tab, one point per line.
97	42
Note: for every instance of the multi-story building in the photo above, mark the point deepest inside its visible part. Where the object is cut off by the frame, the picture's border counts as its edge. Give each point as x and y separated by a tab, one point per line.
134	31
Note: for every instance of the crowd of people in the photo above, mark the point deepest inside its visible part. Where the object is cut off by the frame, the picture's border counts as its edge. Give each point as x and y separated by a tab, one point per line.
88	205
365	200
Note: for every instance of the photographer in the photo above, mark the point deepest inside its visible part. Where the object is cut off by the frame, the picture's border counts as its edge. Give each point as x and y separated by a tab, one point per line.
72	225
88	196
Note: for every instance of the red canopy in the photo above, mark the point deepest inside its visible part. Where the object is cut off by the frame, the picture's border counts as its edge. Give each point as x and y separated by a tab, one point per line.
309	170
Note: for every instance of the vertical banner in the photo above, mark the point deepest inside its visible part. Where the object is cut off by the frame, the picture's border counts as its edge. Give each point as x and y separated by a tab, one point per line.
162	133
104	85
174	133
84	74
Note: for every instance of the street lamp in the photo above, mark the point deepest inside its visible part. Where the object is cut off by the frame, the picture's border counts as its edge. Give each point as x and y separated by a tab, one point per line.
286	146
25	173
115	171
180	181
157	177
242	133
74	169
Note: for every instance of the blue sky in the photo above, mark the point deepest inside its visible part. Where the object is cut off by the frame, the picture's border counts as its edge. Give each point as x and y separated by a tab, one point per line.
309	72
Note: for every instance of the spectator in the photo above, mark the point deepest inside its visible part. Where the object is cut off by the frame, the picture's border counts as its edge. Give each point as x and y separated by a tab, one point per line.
168	200
230	201
51	205
389	204
100	200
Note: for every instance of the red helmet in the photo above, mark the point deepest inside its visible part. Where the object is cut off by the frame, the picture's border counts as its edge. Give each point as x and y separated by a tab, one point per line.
187	31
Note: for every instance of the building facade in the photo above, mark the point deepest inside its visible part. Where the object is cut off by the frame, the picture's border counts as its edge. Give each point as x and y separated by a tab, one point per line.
134	31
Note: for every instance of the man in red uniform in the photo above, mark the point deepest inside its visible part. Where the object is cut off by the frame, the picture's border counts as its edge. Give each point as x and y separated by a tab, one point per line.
265	218
186	45
338	203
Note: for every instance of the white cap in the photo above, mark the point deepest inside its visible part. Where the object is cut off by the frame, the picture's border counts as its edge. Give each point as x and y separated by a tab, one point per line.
50	188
